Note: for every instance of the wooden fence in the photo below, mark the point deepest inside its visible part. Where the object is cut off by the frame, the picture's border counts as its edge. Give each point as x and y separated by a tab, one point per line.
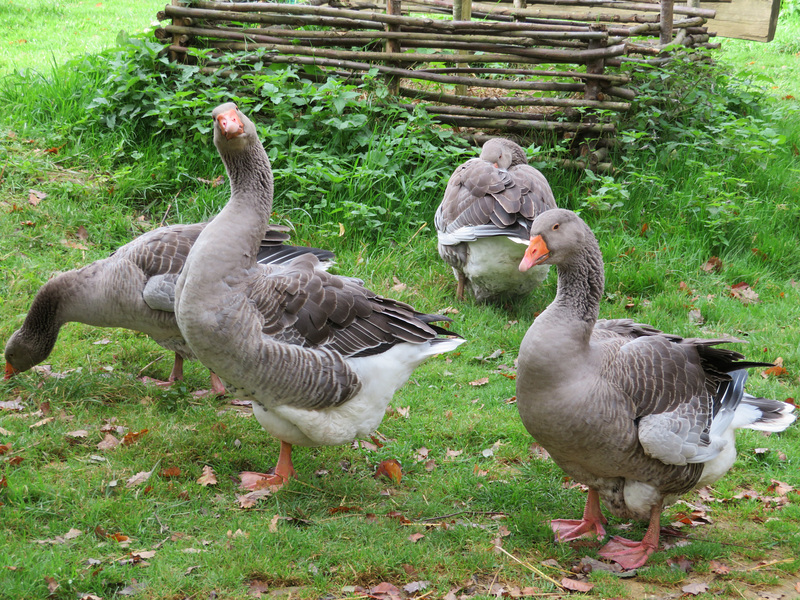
524	70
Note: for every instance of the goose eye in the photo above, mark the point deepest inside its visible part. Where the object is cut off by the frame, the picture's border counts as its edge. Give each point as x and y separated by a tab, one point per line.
555	226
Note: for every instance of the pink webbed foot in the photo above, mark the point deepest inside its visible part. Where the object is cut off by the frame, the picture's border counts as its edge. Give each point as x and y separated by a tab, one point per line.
627	553
284	470
591	525
567	530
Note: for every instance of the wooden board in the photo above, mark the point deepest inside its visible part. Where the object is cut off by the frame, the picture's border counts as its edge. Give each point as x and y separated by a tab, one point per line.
745	19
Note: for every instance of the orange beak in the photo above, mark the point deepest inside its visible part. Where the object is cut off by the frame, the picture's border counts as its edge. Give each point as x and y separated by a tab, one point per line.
229	124
10	371
536	254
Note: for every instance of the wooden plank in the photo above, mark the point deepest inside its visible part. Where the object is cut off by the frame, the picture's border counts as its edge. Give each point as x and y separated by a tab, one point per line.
745	19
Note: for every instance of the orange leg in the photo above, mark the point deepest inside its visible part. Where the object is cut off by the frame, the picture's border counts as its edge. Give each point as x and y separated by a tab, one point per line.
632	554
216	385
591	525
284	470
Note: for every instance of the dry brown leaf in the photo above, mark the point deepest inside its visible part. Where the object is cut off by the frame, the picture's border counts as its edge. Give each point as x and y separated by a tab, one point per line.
52	585
171	472
44	421
744	293
138	479
35	196
109	442
415	537
5	448
575	585
208	477
719	568
391	469
77	434
273	524
695	588
118	537
398	286
249	500
385	591
133	436
713	265
479	382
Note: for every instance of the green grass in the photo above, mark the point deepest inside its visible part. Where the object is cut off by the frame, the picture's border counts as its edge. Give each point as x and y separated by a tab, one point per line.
723	183
39	33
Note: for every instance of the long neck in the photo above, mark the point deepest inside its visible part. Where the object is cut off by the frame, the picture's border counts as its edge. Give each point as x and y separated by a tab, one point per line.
35	339
580	285
244	219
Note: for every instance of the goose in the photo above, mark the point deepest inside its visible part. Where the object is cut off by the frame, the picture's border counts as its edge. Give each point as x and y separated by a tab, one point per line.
483	221
319	355
637	415
132	288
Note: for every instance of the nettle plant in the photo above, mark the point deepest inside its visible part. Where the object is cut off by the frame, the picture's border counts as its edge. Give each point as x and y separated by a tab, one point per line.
342	157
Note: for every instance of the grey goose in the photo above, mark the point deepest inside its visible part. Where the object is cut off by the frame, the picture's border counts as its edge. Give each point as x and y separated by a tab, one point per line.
483	221
637	415
319	355
133	288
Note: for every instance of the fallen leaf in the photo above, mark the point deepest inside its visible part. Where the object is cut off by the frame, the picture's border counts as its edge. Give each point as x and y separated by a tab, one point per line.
695	588
713	265
391	469
208	477
52	585
82	233
138	479
35	196
479	382
398	286
575	585
744	293
415	537
718	568
44	421
5	448
273	524
108	442
132	436
249	500
77	434
421	454
385	591
171	472
415	586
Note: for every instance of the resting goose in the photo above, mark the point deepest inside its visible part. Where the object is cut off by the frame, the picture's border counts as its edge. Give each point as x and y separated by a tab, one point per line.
319	355
637	415
133	288
483	221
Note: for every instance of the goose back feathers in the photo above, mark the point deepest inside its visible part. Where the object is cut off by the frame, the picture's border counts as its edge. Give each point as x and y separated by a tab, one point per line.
637	415
483	221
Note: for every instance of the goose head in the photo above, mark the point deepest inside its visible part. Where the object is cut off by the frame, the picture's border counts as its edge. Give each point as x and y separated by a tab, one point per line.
497	153
557	235
233	131
24	351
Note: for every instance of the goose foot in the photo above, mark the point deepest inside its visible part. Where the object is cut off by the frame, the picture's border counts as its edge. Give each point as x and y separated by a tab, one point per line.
217	388
284	470
591	525
630	554
175	375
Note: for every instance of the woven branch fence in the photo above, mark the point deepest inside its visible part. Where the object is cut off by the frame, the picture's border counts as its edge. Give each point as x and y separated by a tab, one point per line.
525	70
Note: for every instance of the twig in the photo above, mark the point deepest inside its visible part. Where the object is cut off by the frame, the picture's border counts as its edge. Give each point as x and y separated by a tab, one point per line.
144	368
164	218
532	568
462	512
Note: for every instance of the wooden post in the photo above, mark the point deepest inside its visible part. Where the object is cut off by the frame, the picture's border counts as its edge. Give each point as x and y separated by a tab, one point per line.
666	22
462	11
393	7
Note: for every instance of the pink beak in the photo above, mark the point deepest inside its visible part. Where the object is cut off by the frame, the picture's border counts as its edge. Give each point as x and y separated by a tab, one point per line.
536	254
229	124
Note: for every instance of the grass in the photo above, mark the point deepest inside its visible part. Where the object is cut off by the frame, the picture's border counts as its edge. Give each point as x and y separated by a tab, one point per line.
684	193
